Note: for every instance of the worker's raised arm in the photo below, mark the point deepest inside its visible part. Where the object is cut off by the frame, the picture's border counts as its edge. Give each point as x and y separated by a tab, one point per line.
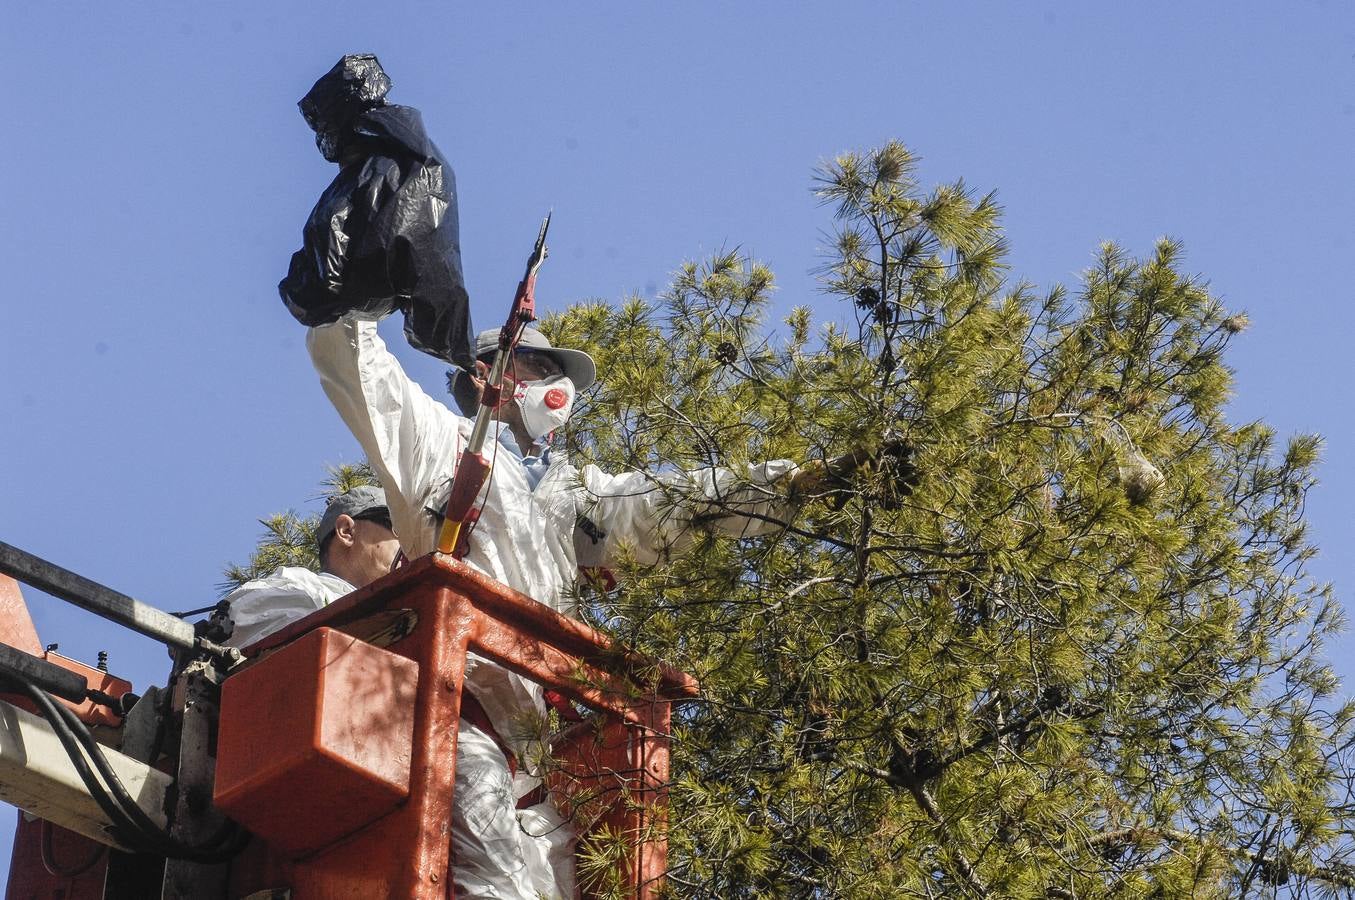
649	517
407	435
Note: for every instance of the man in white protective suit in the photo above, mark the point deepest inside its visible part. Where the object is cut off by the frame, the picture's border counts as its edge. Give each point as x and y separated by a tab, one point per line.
528	537
356	547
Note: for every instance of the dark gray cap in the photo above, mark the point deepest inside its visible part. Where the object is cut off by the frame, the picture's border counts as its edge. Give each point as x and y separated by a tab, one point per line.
576	364
361	499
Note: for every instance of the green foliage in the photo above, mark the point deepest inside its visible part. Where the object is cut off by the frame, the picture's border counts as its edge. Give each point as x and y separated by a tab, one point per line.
1043	674
288	538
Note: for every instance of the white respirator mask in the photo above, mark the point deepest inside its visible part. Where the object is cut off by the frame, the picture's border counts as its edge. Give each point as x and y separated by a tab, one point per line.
545	404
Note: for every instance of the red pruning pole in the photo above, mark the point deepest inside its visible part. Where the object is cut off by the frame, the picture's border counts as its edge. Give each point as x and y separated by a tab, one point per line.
473	469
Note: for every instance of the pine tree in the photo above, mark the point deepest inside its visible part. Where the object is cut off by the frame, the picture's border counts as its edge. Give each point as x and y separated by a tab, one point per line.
1081	657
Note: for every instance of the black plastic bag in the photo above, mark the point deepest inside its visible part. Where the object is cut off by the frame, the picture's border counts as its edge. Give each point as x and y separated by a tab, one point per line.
384	234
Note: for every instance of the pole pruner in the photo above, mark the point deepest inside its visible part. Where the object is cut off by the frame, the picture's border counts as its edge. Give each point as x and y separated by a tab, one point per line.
472	470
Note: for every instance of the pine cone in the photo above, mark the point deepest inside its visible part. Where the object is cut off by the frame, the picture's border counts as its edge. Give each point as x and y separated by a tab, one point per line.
867	297
899	473
1139	478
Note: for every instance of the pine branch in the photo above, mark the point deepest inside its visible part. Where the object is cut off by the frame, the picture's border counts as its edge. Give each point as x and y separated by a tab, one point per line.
928	805
1274	869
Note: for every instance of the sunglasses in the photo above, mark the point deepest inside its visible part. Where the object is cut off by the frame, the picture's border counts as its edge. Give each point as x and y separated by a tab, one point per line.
379	516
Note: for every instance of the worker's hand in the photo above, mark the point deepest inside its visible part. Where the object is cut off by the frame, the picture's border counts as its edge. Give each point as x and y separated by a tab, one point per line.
818	476
809	478
480	378
893	460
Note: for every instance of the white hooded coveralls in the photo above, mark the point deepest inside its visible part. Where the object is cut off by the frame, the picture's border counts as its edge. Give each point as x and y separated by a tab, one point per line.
526	539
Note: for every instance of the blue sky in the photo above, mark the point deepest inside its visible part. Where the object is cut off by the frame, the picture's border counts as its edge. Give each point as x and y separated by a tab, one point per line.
156	396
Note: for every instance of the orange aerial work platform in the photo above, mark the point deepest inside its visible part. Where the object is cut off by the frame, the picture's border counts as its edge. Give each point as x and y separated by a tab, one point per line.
337	739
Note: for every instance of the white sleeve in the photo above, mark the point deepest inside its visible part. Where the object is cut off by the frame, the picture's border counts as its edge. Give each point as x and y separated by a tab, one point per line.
411	440
649	517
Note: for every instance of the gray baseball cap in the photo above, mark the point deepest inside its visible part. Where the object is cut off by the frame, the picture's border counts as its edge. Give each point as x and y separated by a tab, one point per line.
576	364
360	500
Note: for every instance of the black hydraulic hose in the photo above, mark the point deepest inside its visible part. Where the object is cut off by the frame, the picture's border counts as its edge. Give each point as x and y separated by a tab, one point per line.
124	800
73	734
123	829
208	847
133	828
184	614
49	855
209	851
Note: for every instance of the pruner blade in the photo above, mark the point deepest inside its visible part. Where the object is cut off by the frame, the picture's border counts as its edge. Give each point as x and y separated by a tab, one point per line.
539	252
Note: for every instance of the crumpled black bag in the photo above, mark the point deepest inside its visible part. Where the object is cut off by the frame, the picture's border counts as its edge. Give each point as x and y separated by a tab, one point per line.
384	235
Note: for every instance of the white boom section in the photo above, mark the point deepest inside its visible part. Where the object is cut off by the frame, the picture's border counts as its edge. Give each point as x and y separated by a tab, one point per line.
37	776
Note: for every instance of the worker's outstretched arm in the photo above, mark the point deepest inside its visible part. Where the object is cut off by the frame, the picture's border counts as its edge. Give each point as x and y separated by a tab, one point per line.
404	432
650	517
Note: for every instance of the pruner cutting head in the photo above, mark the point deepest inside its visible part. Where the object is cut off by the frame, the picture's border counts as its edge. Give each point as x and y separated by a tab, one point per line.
539	252
524	302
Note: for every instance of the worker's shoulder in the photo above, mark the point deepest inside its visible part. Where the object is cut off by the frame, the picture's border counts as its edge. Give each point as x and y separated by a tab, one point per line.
561	473
298	579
